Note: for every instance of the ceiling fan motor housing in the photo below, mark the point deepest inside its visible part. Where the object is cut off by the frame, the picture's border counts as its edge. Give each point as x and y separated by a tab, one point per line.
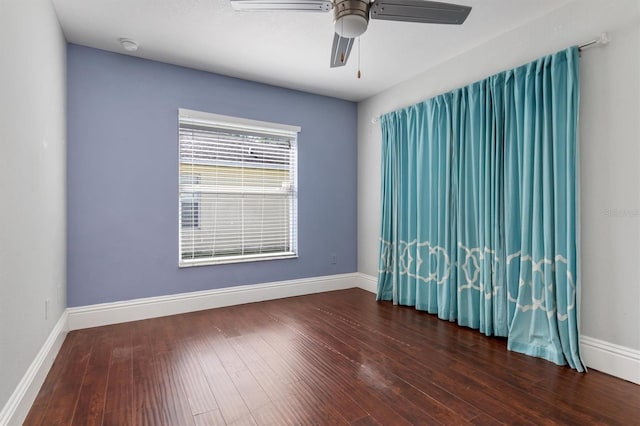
351	17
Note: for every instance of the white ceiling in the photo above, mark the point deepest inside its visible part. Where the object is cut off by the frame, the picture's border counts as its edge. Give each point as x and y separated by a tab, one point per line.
284	48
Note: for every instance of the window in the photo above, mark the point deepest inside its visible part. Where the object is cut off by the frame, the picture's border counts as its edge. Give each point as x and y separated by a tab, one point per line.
238	189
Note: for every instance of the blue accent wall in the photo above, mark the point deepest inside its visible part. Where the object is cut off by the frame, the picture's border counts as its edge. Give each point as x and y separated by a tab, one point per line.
122	177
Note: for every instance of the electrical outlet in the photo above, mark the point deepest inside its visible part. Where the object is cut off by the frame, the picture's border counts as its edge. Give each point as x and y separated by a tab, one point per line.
46	309
333	258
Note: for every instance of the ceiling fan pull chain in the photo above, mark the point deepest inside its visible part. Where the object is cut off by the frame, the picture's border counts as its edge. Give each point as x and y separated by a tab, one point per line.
359	57
342	53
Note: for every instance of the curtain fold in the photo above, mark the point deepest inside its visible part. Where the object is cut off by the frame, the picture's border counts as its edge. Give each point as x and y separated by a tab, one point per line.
479	207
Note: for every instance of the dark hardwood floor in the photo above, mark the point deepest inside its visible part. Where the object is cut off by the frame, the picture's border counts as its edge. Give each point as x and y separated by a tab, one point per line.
331	358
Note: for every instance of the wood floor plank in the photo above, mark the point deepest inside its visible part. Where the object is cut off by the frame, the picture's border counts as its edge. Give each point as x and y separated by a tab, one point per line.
329	358
62	404
602	404
147	397
118	408
254	396
174	401
365	421
37	411
301	402
232	406
485	420
301	387
299	395
209	418
279	389
196	387
91	401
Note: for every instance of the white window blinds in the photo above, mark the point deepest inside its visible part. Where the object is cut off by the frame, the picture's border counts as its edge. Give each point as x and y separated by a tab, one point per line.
237	184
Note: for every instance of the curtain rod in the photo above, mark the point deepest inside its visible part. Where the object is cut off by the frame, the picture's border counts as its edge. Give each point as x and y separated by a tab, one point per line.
600	41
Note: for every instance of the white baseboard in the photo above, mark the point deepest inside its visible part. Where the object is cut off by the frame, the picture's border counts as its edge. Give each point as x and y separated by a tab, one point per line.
609	358
152	307
367	282
17	407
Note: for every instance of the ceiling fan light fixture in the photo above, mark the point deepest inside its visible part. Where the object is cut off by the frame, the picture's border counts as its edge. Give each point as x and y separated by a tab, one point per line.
351	17
350	26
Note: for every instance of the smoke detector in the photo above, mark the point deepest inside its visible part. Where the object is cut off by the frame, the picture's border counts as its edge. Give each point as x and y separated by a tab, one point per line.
128	44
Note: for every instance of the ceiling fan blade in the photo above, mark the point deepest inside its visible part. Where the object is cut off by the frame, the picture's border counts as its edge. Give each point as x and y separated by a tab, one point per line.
340	50
429	12
283	5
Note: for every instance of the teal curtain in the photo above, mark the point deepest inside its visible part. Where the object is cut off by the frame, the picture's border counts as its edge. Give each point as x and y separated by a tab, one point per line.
480	207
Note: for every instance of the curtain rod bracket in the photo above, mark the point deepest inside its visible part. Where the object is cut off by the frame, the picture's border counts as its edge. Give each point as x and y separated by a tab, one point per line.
603	40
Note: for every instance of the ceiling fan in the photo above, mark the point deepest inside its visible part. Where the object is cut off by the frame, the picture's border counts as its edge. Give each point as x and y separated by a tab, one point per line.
351	17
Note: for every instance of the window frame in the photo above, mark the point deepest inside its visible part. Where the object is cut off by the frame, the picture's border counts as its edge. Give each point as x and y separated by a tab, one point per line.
243	125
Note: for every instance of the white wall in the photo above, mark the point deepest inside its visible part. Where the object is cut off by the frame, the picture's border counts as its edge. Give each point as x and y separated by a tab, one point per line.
610	144
32	183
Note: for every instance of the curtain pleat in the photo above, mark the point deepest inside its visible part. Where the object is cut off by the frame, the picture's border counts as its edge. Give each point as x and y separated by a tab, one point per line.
479	207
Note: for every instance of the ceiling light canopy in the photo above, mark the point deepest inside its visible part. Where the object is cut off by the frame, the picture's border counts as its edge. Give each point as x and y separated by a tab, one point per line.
351	17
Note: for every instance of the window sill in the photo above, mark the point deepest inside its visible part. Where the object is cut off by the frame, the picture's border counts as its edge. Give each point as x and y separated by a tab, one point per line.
235	259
